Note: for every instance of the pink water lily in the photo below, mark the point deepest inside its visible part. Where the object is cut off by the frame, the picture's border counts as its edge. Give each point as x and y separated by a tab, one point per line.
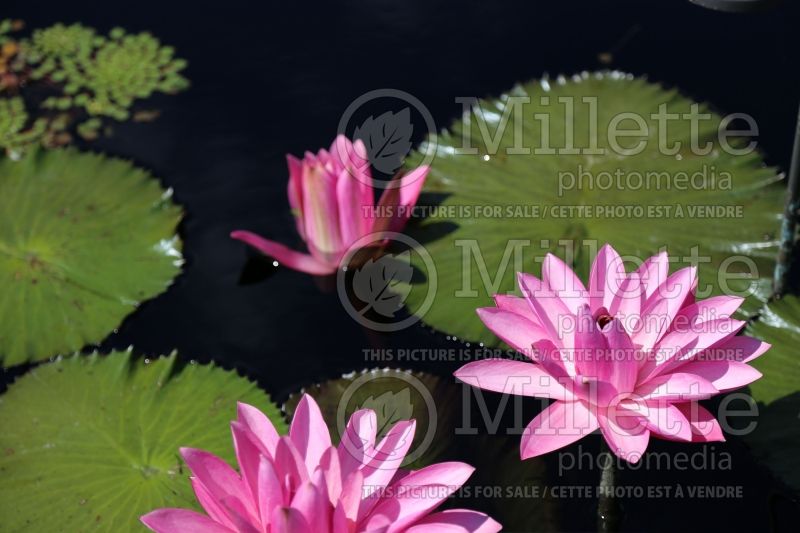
333	203
630	356
301	483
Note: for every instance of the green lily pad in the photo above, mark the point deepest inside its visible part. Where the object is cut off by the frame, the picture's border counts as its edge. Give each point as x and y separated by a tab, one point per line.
484	200
394	395
778	392
779	325
91	443
83	240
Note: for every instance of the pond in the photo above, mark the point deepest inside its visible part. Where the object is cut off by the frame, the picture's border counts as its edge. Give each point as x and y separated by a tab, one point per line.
275	78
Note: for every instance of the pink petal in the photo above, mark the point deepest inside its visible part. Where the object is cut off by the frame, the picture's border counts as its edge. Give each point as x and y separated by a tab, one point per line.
677	348
558	425
221	480
563	282
358	441
629	300
329	463
295	191
323	158
211	505
670	347
705	427
388	455
653	324
321	211
724	375
402	196
309	433
385	463
355	216
288	257
653	273
661	418
313	505
288	520
517	305
350	155
248	456
349	504
342	151
270	491
416	495
663	306
553	362
289	464
625	436
702	311
589	343
411	185
242	519
512	377
621	365
739	348
676	387
548	307
530	285
321	486
181	521
513	329
455	521
552	314
605	278
260	426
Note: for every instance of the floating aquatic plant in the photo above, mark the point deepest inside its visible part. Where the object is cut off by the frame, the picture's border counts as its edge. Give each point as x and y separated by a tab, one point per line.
329	193
778	393
302	483
72	78
94	439
503	200
10	62
7	27
83	240
49	47
631	355
14	131
120	71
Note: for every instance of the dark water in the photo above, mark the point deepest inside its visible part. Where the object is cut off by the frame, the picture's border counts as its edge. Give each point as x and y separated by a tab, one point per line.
274	77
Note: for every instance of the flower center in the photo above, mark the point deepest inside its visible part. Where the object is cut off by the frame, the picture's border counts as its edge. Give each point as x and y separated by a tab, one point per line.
603	319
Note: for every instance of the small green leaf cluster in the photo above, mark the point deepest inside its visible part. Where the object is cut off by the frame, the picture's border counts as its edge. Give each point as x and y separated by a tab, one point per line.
7	26
65	79
14	133
105	76
48	48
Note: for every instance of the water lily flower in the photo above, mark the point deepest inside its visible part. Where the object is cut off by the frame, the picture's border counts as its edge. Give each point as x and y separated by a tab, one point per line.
333	203
301	483
630	356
